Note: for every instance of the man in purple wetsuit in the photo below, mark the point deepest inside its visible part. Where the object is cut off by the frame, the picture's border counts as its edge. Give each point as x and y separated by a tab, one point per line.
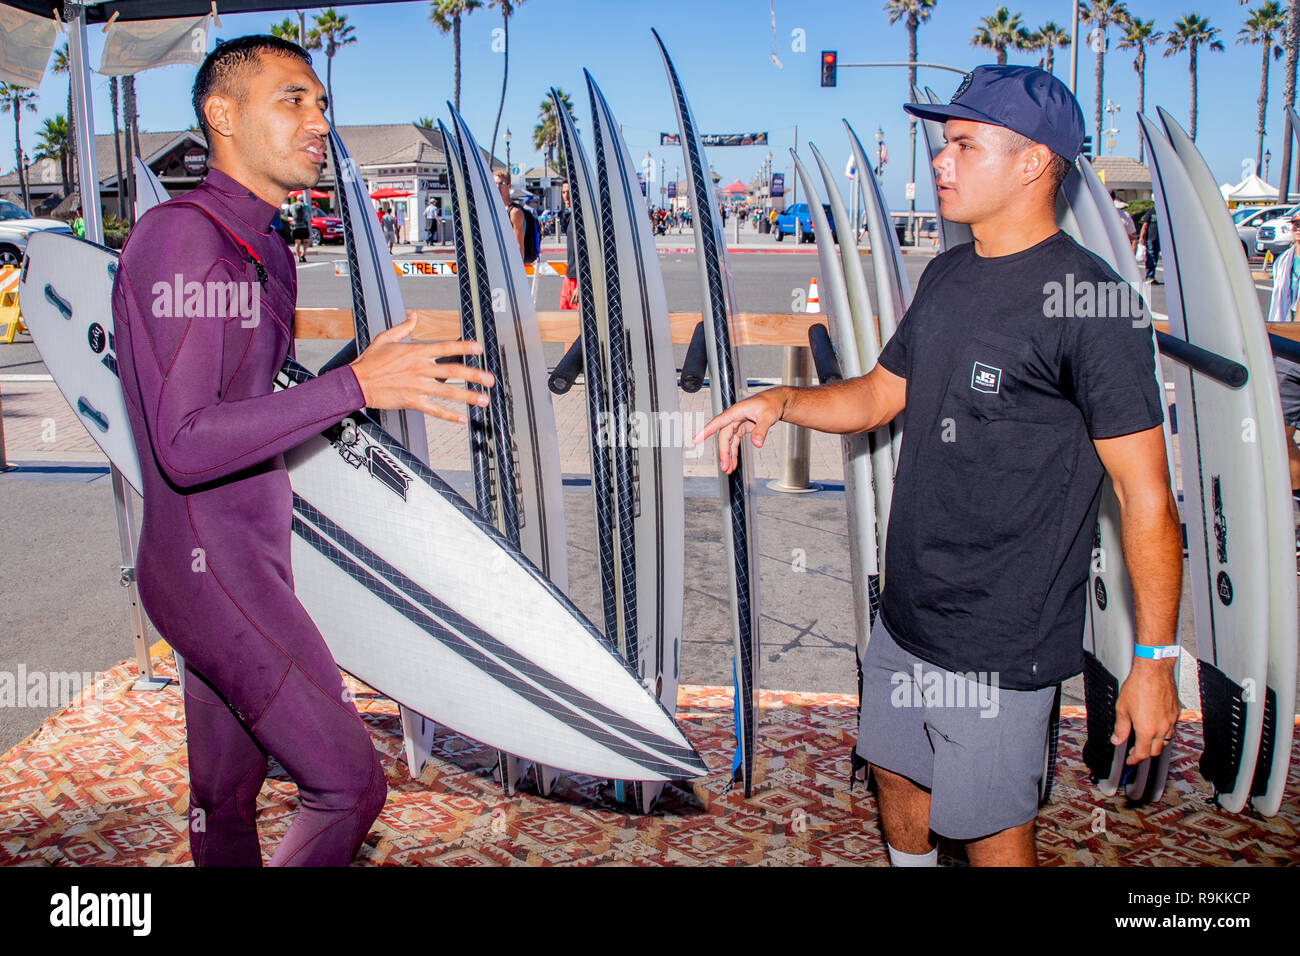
203	305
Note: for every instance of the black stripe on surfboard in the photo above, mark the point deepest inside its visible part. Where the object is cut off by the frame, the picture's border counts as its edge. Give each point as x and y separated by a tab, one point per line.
475	166
598	404
507	514
620	386
473	644
726	385
480	435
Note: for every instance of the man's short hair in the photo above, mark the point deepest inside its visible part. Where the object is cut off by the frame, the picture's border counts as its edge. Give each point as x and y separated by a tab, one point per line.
1013	142
229	58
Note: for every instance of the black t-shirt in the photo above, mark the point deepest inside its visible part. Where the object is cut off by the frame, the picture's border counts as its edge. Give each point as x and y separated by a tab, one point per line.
1152	222
1010	372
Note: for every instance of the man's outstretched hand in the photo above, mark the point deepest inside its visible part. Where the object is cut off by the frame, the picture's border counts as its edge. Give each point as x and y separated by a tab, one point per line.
397	374
754	416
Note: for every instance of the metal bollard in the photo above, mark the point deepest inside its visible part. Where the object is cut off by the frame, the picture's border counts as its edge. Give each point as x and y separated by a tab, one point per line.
4	465
796	370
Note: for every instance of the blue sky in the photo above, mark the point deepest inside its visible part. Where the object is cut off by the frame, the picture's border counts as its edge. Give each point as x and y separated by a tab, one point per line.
401	68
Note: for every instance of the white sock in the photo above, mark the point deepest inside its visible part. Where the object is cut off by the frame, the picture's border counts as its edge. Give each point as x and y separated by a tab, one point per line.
899	858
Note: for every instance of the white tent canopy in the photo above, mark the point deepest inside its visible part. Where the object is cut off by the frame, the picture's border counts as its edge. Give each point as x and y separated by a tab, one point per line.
1250	189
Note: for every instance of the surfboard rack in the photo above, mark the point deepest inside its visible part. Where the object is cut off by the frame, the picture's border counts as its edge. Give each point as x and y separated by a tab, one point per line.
1284	348
567	370
823	355
694	366
1225	370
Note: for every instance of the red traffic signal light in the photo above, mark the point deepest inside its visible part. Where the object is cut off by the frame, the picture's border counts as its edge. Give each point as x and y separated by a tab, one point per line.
830	60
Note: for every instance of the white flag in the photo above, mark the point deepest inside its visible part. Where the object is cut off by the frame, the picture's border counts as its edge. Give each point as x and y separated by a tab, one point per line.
26	42
138	45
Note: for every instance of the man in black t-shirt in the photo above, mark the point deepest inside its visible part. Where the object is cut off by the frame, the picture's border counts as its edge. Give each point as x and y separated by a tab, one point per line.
1028	373
1150	240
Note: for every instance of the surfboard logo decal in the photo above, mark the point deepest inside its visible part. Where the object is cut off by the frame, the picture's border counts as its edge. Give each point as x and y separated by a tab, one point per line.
1099	591
1223	584
97	338
1220	526
985	378
384	467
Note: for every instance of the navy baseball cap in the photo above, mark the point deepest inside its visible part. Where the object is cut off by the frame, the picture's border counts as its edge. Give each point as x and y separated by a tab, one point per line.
1024	99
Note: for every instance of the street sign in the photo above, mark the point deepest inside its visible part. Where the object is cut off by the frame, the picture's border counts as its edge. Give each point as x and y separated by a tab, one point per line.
911	191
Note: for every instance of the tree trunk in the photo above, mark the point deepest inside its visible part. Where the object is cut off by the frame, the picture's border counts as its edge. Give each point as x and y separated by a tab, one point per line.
128	122
1050	54
1101	72
117	143
72	140
1288	95
18	151
1191	65
455	59
505	75
1002	56
1263	108
1142	99
329	84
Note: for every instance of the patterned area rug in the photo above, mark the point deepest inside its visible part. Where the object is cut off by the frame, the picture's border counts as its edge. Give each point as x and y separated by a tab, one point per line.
104	782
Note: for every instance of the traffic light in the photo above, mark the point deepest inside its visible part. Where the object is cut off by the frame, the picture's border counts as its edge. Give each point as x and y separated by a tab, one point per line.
1087	148
829	61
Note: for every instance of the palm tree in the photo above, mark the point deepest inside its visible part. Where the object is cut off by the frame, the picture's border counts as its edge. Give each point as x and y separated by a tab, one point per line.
1190	33
1260	28
546	134
333	31
1000	31
507	9
913	13
52	143
446	16
1102	13
131	126
286	29
425	122
1048	38
14	99
1137	34
63	64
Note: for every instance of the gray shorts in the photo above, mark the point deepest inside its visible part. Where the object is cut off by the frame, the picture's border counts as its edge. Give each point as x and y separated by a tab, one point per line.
1288	384
977	747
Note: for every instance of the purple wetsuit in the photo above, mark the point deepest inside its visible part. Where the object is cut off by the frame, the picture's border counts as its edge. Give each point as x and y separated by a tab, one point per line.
213	564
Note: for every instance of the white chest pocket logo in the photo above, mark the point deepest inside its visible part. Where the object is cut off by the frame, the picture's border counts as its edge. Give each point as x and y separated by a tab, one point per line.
985	378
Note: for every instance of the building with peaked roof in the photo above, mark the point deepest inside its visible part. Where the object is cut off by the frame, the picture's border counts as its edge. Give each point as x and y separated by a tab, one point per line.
1124	176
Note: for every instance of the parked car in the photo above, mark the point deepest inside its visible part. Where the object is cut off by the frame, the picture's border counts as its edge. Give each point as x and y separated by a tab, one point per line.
323	228
16	224
1249	220
1274	235
785	221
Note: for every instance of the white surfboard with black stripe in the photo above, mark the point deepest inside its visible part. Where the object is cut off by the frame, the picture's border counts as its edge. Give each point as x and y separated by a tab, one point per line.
643	386
527	494
415	594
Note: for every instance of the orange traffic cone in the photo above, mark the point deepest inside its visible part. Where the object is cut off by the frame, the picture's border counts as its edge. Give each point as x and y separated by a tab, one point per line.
814	304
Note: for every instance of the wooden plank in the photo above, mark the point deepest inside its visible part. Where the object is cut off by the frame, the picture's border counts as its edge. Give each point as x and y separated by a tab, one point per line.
749	328
1287	330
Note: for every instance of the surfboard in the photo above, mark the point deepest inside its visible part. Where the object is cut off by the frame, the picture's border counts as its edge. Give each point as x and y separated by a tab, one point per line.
725	385
1279	699
414	592
377	306
951	234
1224	485
1084	210
860	451
858	332
525	461
860	502
643	387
